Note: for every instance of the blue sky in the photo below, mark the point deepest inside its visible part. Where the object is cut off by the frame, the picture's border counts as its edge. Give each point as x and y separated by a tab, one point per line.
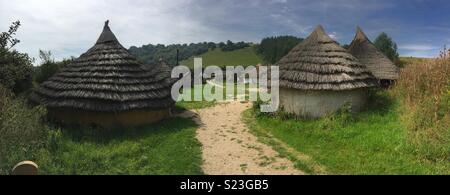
69	27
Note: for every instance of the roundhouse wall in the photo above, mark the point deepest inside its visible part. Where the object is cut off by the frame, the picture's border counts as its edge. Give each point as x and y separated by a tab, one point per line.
316	104
106	119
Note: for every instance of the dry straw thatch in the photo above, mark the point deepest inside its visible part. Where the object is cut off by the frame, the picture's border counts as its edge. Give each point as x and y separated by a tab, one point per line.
319	63
380	66
107	78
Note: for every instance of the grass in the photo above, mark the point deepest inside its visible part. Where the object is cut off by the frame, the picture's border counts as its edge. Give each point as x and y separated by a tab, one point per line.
244	57
424	91
169	147
404	61
187	105
373	142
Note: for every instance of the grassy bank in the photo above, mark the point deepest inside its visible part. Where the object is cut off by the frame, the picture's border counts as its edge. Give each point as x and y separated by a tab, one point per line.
371	142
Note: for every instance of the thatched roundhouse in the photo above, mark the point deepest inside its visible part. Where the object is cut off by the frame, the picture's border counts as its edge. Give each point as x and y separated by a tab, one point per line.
317	77
384	70
107	86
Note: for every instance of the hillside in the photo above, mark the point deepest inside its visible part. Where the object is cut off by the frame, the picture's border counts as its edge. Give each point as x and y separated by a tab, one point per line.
245	57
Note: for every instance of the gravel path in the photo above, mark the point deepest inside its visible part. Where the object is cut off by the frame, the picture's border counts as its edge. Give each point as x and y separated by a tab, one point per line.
228	146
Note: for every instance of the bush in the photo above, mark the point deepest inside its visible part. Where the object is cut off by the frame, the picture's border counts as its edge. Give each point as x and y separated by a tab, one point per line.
15	67
424	90
21	132
48	66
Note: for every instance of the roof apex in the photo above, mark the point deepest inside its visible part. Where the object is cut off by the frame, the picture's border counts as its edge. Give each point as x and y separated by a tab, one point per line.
360	35
107	35
319	30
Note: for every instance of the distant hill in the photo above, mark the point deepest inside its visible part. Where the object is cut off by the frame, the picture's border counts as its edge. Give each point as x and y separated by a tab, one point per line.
150	54
245	57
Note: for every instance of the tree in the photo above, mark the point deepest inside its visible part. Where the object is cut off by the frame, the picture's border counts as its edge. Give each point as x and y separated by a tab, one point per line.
387	46
15	68
48	66
272	49
346	46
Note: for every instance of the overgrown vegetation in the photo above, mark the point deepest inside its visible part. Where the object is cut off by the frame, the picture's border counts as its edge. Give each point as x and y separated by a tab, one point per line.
22	133
424	91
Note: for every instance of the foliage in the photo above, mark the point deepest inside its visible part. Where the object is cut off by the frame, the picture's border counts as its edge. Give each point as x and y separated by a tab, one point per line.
48	66
15	67
424	91
230	46
272	49
387	46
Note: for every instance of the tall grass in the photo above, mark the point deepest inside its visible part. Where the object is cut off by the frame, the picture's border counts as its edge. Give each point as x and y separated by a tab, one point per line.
22	133
424	91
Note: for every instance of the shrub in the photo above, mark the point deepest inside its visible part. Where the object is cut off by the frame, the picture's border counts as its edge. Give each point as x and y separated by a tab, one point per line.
15	67
21	132
424	90
48	66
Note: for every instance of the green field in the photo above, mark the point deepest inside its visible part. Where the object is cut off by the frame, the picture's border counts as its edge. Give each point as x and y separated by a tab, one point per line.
372	142
245	57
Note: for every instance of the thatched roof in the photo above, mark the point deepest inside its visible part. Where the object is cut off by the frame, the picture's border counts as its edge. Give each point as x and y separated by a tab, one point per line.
319	63
107	78
380	66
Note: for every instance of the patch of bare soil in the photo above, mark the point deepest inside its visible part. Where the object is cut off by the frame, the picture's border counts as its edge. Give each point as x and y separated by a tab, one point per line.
229	147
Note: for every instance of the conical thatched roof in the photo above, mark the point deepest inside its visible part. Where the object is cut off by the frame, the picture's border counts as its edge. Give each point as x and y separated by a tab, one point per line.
109	79
380	66
319	63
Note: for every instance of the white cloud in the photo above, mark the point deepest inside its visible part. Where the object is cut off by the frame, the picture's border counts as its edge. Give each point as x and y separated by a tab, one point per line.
418	47
333	35
70	27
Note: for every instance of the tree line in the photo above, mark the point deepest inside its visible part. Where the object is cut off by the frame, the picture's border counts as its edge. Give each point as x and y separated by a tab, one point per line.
151	54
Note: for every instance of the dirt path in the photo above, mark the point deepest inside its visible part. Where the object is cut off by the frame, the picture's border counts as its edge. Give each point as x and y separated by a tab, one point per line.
229	147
